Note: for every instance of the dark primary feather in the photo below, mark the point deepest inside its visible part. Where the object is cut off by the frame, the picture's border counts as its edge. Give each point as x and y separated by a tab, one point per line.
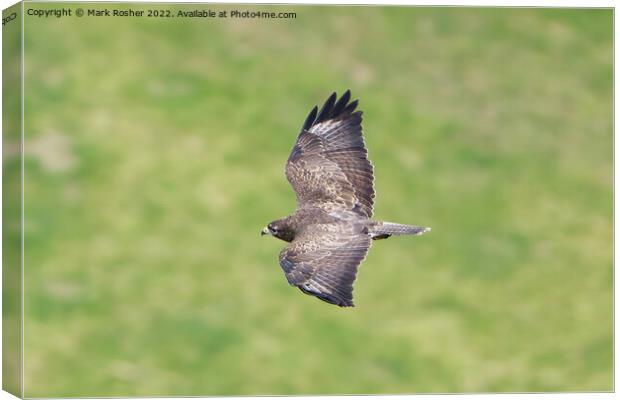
310	119
328	166
341	104
326	110
350	107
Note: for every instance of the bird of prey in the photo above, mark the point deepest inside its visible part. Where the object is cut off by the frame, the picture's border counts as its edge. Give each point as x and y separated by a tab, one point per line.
331	230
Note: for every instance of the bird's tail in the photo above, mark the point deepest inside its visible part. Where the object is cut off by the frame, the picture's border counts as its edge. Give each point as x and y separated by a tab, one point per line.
383	230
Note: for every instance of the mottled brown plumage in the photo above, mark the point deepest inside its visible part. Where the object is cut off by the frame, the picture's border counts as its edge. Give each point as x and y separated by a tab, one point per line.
331	230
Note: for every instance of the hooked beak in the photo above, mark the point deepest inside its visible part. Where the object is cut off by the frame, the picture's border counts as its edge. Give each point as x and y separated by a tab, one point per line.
265	231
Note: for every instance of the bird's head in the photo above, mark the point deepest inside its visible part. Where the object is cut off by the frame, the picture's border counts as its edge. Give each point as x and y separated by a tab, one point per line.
280	229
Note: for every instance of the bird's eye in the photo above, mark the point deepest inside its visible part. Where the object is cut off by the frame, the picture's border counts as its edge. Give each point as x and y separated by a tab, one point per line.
271	228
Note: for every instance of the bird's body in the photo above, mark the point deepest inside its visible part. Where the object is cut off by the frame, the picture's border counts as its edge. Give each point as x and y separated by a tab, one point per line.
331	230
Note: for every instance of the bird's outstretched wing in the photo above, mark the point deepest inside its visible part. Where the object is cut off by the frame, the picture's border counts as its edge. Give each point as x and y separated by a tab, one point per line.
324	264
328	166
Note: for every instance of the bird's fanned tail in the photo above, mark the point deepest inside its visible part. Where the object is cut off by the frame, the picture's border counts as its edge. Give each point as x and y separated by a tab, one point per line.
383	230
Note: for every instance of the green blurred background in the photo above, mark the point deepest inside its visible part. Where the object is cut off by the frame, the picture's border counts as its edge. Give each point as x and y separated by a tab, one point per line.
155	151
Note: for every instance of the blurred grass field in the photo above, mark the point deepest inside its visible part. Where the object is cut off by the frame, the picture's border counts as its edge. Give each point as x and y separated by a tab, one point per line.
155	151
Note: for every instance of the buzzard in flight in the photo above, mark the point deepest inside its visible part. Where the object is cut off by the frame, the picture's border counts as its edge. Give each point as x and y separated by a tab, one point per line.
331	230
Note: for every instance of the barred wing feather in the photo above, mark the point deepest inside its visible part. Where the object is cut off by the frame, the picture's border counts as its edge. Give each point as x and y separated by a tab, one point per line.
328	166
